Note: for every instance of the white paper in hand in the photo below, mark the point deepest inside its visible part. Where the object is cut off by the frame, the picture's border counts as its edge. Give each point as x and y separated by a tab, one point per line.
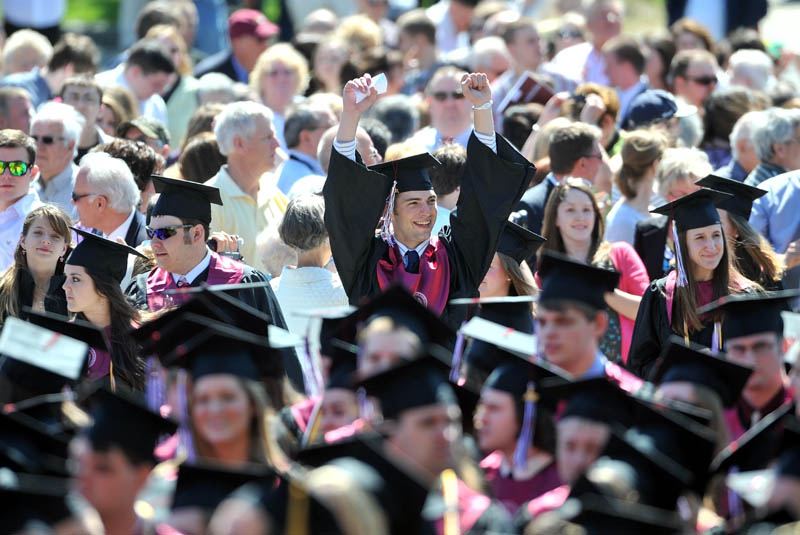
43	348
379	83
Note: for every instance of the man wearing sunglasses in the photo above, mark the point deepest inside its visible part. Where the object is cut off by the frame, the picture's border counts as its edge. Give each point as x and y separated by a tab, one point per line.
17	154
694	75
451	114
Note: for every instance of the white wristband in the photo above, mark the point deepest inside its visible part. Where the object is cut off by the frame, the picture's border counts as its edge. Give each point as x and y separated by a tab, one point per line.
485	106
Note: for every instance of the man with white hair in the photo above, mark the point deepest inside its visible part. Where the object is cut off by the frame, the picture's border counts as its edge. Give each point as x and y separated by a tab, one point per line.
106	197
490	55
743	151
777	143
24	50
56	128
250	203
752	69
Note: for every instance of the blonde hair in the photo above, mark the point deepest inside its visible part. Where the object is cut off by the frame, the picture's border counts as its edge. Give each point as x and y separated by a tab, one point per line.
171	32
681	164
360	32
404	149
25	41
639	150
286	54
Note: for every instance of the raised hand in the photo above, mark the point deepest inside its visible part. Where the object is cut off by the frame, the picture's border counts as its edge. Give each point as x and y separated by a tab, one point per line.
362	85
476	88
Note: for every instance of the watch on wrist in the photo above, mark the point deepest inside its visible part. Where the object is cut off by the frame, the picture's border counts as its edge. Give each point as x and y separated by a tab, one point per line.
485	106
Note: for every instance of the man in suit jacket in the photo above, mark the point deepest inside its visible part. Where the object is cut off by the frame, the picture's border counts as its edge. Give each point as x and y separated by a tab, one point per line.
574	152
106	197
250	33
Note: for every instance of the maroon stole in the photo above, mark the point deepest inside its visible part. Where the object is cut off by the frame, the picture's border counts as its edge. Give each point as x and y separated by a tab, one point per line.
548	501
221	270
734	423
513	493
622	377
431	286
471	505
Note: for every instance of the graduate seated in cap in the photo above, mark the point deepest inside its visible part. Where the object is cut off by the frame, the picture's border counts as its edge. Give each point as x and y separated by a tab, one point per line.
573	225
703	273
752	254
752	336
433	268
34	279
94	271
115	457
573	319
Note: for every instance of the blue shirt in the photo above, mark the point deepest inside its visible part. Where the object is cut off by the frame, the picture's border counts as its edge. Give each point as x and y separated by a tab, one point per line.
762	172
33	82
241	72
775	214
732	170
598	368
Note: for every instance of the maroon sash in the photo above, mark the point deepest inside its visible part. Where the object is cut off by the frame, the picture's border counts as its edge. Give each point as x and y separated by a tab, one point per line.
431	286
221	270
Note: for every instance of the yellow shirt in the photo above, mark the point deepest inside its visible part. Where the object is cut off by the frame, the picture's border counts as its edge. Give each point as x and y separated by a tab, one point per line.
243	216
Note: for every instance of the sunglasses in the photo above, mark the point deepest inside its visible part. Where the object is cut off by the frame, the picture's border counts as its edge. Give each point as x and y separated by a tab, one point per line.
704	80
78	196
441	96
16	168
47	140
164	233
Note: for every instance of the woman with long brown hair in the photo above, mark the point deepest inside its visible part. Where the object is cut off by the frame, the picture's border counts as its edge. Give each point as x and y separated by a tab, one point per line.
94	272
573	225
704	272
35	278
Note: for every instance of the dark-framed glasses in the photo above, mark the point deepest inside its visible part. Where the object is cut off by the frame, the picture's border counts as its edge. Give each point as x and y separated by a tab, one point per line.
164	233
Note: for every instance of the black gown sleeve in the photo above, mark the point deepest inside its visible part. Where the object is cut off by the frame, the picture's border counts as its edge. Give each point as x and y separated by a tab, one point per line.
136	292
650	330
354	201
491	188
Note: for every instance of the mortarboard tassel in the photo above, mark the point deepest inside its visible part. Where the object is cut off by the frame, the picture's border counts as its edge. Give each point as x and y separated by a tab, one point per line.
386	225
681	279
311	379
457	353
734	502
364	405
526	434
154	386
184	434
112	382
716	340
451	520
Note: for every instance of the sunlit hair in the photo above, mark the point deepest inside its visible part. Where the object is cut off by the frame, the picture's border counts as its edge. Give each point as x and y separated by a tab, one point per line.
754	256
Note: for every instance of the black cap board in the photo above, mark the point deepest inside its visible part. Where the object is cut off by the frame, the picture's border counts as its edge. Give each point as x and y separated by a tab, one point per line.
122	420
30	498
184	199
696	210
500	327
513	375
101	256
206	485
564	279
596	399
692	363
411	384
81	330
518	242
745	314
743	195
602	515
26	445
411	173
789	461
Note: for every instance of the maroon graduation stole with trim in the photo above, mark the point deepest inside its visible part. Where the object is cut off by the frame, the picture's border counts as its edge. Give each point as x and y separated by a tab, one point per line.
431	286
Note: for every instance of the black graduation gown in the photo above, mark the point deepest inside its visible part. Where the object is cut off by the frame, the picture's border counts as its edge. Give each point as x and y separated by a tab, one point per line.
261	298
355	198
652	329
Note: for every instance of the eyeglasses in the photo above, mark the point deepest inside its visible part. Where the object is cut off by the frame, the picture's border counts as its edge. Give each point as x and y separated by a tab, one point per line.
441	96
704	80
598	156
164	233
47	140
78	196
16	168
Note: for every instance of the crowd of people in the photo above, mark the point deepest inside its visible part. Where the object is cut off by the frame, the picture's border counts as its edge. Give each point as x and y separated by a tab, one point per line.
480	267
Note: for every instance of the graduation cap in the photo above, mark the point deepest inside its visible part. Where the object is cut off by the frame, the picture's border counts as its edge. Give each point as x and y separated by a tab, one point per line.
27	446
746	314
564	279
411	173
206	485
518	242
743	195
32	498
413	383
602	515
80	330
789	461
596	399
494	343
693	363
122	420
102	256
216	348
184	199
757	447
696	210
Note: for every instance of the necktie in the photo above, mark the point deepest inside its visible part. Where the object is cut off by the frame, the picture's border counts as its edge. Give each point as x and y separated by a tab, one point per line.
182	282
411	260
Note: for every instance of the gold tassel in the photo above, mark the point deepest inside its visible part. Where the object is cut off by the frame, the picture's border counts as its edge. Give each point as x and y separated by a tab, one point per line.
452	525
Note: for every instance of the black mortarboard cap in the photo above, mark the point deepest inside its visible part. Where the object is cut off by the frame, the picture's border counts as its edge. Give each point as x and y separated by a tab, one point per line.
751	313
122	420
28	446
411	173
411	384
743	195
757	447
601	515
596	399
32	498
206	485
564	279
214	347
101	256
78	329
513	375
696	210
518	242
184	199
693	363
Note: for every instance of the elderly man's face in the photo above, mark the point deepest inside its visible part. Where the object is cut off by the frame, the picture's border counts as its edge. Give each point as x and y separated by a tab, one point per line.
260	149
86	201
19	114
53	152
451	113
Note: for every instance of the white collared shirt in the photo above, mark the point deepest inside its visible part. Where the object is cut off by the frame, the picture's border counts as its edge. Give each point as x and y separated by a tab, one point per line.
195	271
419	249
11	220
58	190
122	230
